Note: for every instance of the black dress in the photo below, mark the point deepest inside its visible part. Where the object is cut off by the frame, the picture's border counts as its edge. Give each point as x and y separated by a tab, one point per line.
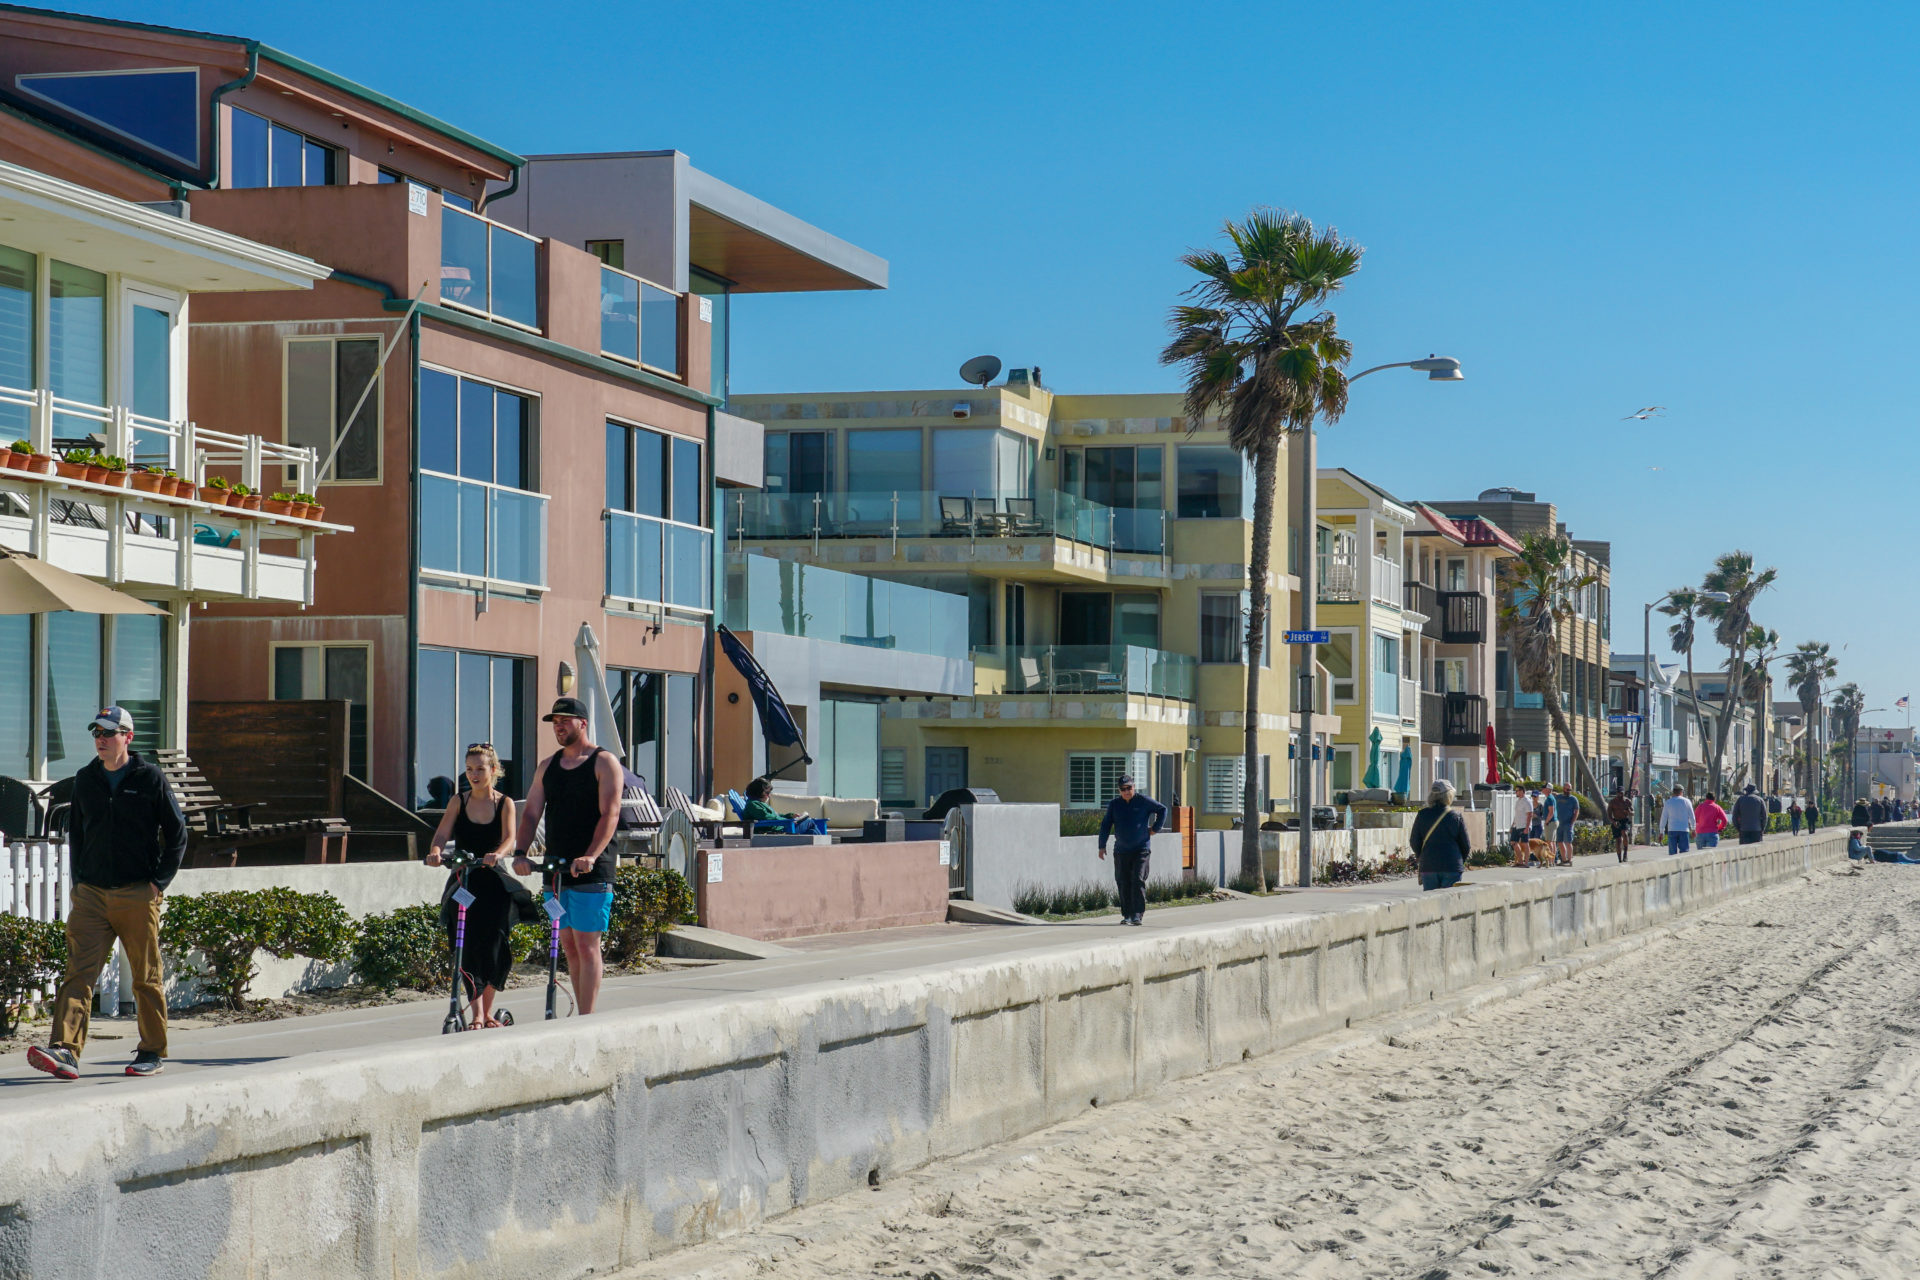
486	957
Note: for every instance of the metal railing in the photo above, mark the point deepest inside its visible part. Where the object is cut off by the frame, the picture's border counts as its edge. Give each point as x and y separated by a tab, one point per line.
934	513
656	561
639	321
789	598
1464	617
474	531
1387	575
1056	669
1339	576
1422	599
489	268
1465	722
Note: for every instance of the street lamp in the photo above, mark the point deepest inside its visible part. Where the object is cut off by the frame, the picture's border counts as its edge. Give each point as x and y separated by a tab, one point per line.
1437	369
1646	697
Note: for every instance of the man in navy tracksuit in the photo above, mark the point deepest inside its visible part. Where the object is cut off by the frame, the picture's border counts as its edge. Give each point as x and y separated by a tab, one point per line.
1131	819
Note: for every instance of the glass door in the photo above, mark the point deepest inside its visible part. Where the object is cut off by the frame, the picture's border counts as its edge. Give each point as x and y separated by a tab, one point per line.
150	375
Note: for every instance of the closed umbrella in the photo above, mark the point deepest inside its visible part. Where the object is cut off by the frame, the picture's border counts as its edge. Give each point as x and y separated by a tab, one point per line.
1405	781
1493	760
30	585
1372	778
603	726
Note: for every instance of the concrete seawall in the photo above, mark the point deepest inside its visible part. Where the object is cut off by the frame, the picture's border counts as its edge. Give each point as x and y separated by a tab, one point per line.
552	1151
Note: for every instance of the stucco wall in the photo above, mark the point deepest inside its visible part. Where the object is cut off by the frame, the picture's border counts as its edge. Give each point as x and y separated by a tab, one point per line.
1012	846
807	889
702	1118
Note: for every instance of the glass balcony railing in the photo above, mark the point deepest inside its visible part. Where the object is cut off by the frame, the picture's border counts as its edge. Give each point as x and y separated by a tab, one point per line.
654	561
639	321
488	268
932	513
765	594
485	532
1060	669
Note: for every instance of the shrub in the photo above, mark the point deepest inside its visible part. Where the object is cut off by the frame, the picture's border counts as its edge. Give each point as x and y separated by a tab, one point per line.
528	944
32	954
1179	890
1499	855
646	902
1081	822
1244	882
226	928
404	948
1067	900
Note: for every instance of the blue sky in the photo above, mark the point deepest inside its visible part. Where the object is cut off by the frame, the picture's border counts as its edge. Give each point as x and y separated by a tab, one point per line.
1595	208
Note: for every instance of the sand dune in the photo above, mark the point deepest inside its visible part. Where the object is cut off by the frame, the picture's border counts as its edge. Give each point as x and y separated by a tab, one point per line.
1737	1100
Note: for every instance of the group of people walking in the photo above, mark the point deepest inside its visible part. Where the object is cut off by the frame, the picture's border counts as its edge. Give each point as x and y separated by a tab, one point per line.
128	836
1682	821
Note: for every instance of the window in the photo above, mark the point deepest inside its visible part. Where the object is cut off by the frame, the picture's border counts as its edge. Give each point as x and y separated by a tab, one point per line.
800	462
1337	657
612	253
1086	618
1127	476
1220	634
479	518
893	775
1341	774
325	379
1211	483
1136	617
717	293
1013	619
265	154
1094	778
658	548
464	697
986	463
76	342
18	286
1223	784
156	107
331	671
1453	675
846	747
1457	575
1386	675
883	463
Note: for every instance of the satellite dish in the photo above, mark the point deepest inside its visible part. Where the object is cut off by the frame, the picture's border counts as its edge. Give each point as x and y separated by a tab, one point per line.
980	370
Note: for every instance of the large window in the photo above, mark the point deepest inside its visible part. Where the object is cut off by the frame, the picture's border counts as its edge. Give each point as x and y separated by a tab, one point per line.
1223	784
1125	476
658	548
77	343
846	749
982	462
883	463
334	672
462	698
1093	778
1337	657
1386	675
799	462
1221	633
325	379
271	155
156	107
1212	483
479	517
17	289
654	714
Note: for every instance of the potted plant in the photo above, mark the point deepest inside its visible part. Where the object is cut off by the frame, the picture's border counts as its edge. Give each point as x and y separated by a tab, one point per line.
25	459
170	483
314	510
278	504
217	492
148	480
113	468
245	497
6	455
73	464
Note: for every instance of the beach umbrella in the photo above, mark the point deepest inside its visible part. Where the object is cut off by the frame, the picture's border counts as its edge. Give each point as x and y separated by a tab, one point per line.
1405	781
602	724
30	585
777	725
1372	778
1493	760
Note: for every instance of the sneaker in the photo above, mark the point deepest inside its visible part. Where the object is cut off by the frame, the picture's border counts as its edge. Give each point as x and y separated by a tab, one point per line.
145	1063
56	1062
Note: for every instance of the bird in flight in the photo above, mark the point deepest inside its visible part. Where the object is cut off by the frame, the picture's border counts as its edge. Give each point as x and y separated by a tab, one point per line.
1641	415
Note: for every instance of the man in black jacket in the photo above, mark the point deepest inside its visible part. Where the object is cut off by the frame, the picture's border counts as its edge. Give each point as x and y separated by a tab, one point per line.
128	837
1131	819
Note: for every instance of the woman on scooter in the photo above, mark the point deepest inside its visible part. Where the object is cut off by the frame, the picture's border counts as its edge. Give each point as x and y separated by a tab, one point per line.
481	822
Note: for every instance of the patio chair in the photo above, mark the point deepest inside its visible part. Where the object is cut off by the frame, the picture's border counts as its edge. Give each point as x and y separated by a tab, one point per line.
765	826
1025	519
19	809
1029	674
955	516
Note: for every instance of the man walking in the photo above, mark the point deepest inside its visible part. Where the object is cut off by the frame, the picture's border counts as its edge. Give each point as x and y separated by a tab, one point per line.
1750	816
1131	819
1620	814
1676	821
1566	811
128	837
577	788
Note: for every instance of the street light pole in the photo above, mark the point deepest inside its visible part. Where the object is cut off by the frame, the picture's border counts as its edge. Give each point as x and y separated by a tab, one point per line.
1306	511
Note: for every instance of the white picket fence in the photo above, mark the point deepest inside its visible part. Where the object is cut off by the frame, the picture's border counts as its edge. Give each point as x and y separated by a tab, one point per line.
36	879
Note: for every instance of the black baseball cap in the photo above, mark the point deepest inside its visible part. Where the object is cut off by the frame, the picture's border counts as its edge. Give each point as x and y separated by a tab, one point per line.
567	707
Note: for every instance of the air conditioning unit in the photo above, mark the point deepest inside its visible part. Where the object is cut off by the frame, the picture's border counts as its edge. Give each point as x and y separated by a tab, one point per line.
963	408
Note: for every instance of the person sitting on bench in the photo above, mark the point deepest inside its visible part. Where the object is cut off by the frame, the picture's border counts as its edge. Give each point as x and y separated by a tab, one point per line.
759	811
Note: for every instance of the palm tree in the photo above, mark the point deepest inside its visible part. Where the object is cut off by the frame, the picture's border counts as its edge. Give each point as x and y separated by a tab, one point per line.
1734	574
1540	585
1808	667
1683	605
1757	691
1261	353
1848	703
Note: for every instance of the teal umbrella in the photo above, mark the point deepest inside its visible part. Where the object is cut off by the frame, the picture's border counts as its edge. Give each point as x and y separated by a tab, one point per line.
1373	761
1406	771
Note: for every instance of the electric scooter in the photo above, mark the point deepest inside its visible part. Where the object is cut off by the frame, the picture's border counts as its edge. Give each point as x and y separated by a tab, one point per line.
551	865
459	860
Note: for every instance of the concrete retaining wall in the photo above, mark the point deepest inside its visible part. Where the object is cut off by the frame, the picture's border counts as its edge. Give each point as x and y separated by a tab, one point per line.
590	1144
807	889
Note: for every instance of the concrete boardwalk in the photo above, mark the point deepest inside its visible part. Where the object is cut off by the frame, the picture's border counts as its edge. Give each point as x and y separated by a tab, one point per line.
820	959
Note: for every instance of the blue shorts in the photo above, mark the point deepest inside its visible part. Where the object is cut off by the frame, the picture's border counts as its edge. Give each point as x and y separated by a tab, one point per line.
587	909
1565	833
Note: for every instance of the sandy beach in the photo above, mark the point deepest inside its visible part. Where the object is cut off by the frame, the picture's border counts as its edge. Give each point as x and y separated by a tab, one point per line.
1734	1099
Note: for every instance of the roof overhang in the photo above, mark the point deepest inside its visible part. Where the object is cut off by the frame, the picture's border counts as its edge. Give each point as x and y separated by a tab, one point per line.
43	214
761	249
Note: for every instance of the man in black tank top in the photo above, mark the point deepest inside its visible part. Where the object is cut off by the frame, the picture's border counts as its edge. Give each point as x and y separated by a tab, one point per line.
577	788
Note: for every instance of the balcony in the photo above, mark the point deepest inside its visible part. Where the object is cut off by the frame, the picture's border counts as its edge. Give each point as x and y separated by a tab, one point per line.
793	599
480	534
1422	599
1464	720
639	322
1085	669
934	514
489	268
660	562
1409	702
1464	617
1338	577
119	528
1387	575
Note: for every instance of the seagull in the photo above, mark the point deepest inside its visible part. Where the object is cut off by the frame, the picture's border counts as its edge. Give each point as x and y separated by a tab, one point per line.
1656	468
1641	415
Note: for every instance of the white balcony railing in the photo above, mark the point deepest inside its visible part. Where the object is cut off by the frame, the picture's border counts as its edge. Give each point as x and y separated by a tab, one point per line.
1386	583
1410	702
1339	576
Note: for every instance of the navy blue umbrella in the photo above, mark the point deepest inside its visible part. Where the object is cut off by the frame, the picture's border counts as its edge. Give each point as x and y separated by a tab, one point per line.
777	725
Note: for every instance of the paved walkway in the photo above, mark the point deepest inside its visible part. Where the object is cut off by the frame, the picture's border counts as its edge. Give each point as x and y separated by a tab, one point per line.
829	958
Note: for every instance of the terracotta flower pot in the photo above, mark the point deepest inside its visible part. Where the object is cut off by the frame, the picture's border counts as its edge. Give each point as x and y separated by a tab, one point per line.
6	457
316	512
95	475
70	470
149	482
276	506
214	497
118	479
251	502
41	464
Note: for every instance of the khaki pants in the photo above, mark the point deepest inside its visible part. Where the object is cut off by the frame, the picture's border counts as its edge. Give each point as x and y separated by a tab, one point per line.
131	914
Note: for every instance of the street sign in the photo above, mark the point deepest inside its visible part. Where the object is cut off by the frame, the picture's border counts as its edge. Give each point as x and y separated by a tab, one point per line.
1623	719
1309	637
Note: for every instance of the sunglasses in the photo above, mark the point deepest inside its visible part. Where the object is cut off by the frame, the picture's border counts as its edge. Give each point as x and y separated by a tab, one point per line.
479	746
105	733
